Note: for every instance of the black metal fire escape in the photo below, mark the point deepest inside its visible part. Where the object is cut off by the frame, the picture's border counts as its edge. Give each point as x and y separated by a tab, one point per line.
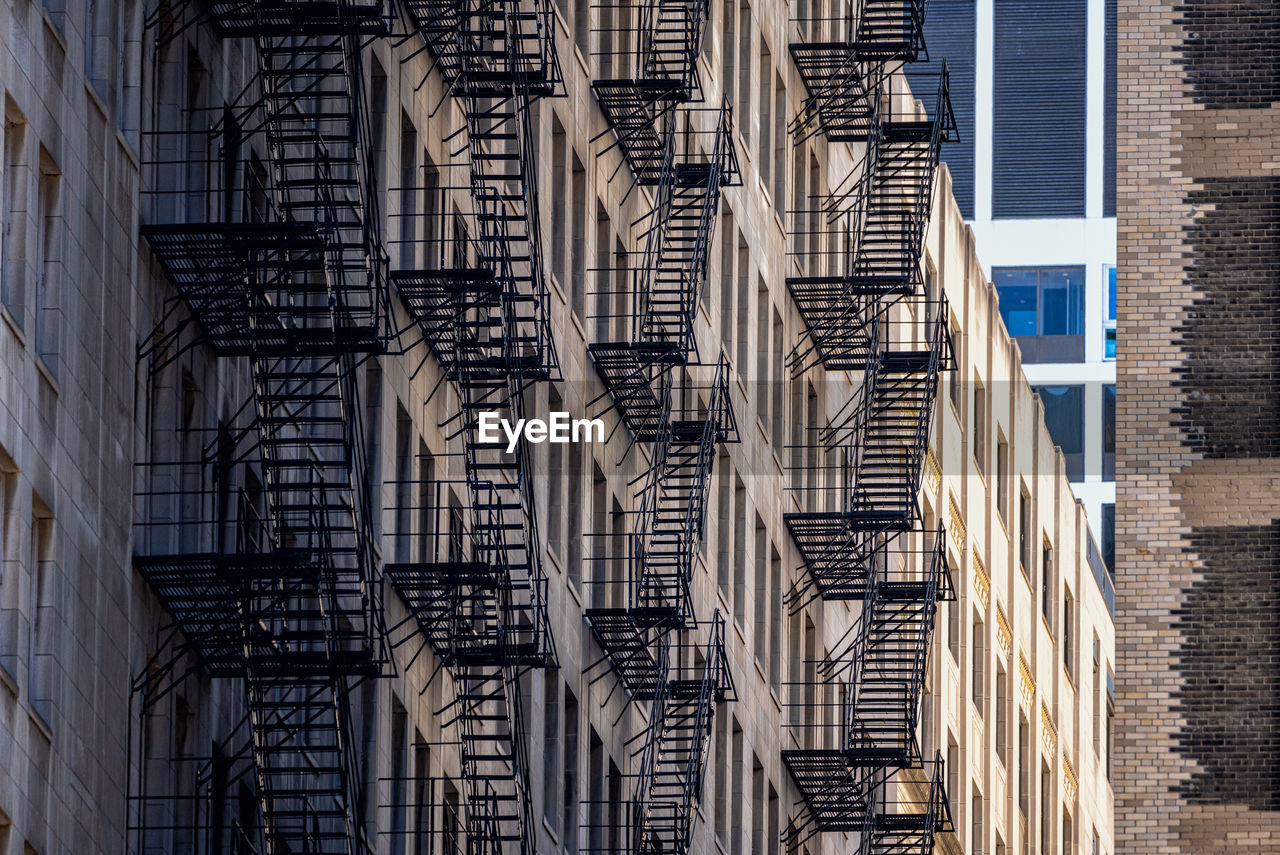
858	707
646	357
480	301
274	247
861	296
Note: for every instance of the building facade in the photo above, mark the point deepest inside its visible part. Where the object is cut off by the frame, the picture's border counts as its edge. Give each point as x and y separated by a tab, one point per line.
1035	177
251	591
1195	521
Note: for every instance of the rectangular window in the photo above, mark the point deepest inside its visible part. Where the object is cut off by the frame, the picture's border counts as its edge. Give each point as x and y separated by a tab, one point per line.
1109	434
1109	537
1097	695
573	541
955	385
739	552
399	776
728	252
764	365
724	525
1068	632
1109	322
1109	109
1039	86
1046	809
980	425
599	556
953	624
1002	714
559	197
1111	721
48	271
764	151
761	594
739	796
576	287
1064	417
10	574
978	688
555	479
721	750
775	619
569	828
1024	531
1002	476
44	614
1043	309
1046	583
757	805
13	240
950	31
977	821
1024	767
550	748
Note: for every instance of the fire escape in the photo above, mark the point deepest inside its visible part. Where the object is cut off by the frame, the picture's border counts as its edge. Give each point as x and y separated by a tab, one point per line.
866	308
478	297
645	354
263	218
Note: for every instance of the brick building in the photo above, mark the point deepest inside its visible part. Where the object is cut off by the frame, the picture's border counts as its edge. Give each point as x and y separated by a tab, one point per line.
1197	737
211	642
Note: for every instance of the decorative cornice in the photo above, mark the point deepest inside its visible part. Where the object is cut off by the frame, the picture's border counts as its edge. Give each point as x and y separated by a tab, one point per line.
932	472
1069	783
955	524
981	582
1026	683
1048	733
1004	635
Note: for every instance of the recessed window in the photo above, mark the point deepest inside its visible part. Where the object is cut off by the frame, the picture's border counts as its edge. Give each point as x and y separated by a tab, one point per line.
1064	417
1109	433
1045	303
1109	322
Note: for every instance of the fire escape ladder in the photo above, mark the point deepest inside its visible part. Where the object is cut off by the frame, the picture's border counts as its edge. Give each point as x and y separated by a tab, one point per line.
909	823
674	756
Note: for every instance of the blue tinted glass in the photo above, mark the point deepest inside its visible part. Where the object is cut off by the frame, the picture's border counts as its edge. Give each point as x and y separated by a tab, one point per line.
1111	293
1110	352
1062	301
1064	416
1017	290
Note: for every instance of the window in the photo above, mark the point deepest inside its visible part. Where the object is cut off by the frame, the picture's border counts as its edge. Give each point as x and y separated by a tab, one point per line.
724	524
1002	477
1097	695
44	614
559	196
1068	632
757	805
1108	434
1024	766
721	751
1109	537
775	619
1038	92
555	476
739	551
954	384
765	142
761	594
1046	583
1024	531
575	287
950	31
13	240
728	252
735	764
1109	322
129	75
1064	417
550	746
979	425
977	821
1002	714
573	540
953	624
1043	308
569	829
1046	808
1109	110
9	575
403	485
599	557
979	682
1111	720
399	776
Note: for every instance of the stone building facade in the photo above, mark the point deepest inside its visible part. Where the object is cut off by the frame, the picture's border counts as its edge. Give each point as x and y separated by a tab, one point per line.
103	386
1197	735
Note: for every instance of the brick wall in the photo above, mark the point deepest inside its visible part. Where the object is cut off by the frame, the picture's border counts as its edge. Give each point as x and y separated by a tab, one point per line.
1197	541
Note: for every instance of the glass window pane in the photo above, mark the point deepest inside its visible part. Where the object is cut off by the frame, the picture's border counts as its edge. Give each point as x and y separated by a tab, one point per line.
1064	416
1111	292
1062	301
1017	289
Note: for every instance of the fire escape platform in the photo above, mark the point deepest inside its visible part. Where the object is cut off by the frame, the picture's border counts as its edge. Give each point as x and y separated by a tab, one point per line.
627	642
627	370
834	795
250	18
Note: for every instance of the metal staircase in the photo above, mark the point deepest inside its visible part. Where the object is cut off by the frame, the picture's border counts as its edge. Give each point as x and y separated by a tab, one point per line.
878	442
666	285
277	256
860	716
873	236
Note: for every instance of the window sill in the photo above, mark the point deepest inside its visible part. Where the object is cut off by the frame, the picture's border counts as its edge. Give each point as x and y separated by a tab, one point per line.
14	327
47	373
41	725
